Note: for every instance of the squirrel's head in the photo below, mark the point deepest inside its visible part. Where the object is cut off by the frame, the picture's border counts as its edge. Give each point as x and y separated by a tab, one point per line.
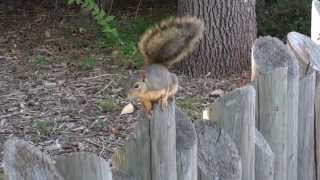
138	88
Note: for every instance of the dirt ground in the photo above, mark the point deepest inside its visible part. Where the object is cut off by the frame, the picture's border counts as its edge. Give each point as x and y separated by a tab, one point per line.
60	88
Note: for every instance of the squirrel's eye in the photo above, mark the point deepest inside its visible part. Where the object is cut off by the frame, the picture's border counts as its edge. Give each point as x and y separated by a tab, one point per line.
136	86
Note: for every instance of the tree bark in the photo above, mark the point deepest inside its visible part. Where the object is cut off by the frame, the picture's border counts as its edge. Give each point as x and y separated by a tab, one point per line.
230	29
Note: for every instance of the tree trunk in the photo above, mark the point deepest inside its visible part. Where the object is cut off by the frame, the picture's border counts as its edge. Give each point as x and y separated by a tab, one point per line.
230	29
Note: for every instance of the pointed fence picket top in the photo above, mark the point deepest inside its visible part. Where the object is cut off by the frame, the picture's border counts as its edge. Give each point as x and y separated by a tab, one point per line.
308	53
235	113
315	19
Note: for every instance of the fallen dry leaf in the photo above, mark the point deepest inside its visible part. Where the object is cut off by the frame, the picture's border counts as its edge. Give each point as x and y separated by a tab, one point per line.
217	93
127	109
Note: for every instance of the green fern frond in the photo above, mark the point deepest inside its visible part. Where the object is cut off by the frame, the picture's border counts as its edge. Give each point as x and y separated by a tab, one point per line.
126	48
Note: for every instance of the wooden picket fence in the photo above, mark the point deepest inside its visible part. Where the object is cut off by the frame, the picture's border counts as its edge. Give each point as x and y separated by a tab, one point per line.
267	130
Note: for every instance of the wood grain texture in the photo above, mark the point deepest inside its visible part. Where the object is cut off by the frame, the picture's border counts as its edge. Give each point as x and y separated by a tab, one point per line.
308	54
270	61
264	158
306	158
218	157
120	175
306	51
272	123
135	151
315	19
317	124
187	147
83	166
293	109
23	161
163	143
235	113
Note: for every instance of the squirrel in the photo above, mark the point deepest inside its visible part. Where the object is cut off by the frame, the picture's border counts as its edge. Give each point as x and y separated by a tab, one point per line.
162	46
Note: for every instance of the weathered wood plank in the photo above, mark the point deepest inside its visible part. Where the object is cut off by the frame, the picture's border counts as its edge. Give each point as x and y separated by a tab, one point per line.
317	124
306	51
272	122
315	19
306	158
264	158
293	111
187	147
83	166
163	143
23	161
120	175
218	157
135	151
270	60
235	113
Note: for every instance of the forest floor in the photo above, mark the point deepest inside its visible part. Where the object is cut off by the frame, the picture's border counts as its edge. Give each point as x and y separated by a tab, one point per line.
61	89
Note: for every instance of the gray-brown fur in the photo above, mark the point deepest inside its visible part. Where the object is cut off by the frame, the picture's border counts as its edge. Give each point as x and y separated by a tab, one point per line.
157	77
171	40
162	46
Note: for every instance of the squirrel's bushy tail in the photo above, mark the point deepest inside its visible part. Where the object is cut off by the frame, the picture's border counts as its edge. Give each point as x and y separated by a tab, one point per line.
171	40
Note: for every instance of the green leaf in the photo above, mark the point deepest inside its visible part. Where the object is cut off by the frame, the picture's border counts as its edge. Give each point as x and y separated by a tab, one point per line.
91	6
101	14
109	18
95	11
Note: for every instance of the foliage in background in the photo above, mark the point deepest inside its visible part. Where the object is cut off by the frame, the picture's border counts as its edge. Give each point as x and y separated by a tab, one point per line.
277	18
124	41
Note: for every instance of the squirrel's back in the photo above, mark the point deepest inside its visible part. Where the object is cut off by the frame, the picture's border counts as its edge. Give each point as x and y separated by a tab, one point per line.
171	40
157	77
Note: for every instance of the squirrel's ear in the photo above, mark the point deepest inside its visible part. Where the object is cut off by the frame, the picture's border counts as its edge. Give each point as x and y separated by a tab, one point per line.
171	40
